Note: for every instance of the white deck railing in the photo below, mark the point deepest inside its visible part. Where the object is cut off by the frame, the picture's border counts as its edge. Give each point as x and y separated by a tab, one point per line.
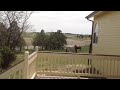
64	64
71	64
23	70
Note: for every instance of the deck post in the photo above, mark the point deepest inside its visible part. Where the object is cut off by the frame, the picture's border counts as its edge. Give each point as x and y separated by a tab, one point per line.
36	48
26	67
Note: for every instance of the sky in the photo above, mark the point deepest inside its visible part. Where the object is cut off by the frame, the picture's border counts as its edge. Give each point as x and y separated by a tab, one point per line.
66	21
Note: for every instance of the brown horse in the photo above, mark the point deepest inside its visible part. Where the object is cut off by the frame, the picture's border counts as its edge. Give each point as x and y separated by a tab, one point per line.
77	47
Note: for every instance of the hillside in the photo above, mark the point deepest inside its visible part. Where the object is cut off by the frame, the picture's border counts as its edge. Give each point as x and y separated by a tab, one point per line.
71	39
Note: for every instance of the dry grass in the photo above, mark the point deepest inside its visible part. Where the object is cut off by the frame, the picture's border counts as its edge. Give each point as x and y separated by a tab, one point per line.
78	42
28	41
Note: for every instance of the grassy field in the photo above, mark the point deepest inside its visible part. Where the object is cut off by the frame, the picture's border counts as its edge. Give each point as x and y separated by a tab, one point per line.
28	41
85	49
28	34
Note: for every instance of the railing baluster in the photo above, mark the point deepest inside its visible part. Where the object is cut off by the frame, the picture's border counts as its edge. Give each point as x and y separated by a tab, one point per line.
79	65
113	67
46	62
88	60
57	64
39	63
21	74
43	60
81	62
100	66
117	67
60	64
85	65
75	65
80	68
50	64
92	68
95	69
53	64
110	66
11	76
59	59
107	67
90	65
18	74
103	66
72	64
104	70
68	64
65	65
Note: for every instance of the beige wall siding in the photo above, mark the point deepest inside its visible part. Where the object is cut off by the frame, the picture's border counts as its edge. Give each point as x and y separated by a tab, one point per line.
108	34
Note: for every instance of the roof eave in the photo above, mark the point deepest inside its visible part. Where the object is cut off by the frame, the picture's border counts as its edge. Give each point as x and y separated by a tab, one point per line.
93	14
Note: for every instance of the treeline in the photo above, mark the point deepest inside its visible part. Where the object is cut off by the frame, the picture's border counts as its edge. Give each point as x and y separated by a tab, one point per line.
54	41
83	36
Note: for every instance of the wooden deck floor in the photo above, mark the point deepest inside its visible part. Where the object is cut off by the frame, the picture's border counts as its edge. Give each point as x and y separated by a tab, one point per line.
56	77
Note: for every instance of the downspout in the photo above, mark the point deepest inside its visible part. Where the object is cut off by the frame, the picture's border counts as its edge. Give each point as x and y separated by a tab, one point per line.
90	49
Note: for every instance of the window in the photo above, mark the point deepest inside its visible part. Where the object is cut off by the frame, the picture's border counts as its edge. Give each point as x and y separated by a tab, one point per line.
95	34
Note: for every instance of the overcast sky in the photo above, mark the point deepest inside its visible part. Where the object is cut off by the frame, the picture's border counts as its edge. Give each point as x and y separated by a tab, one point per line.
67	21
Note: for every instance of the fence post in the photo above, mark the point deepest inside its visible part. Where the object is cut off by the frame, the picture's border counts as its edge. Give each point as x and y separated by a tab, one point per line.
26	67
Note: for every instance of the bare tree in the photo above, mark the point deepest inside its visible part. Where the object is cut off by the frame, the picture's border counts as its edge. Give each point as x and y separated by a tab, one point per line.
15	20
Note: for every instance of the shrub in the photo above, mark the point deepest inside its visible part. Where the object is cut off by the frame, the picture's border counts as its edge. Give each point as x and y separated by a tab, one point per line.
7	57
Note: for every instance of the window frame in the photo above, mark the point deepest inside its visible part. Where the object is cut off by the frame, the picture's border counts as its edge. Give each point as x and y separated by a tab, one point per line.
95	33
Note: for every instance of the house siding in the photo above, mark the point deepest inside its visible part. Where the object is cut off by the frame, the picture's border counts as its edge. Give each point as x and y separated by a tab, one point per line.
108	34
108	41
